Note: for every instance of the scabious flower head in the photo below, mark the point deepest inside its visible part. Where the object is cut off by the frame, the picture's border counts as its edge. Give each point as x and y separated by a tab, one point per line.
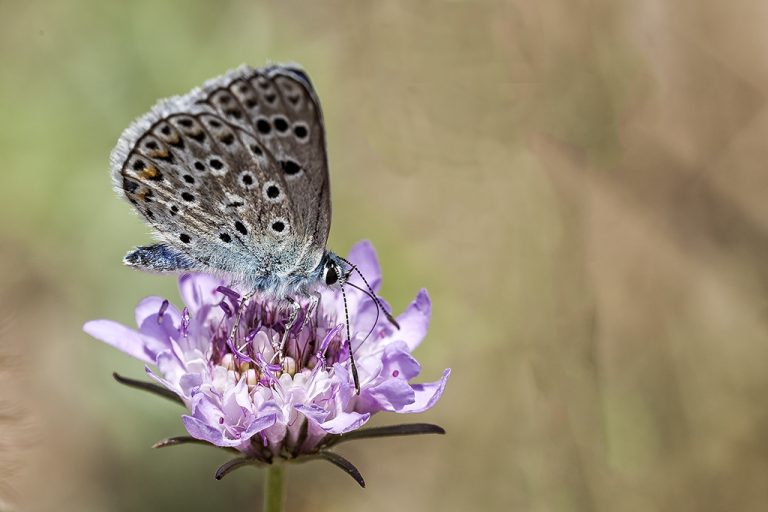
245	393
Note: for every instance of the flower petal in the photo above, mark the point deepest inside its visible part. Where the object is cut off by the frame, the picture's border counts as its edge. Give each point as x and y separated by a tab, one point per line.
257	425
427	394
236	400
150	307
312	412
162	381
122	338
364	316
189	382
197	290
200	430
344	422
414	322
363	255
398	361
392	395
169	365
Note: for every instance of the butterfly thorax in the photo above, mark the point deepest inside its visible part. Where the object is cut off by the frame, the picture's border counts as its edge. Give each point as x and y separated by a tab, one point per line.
297	283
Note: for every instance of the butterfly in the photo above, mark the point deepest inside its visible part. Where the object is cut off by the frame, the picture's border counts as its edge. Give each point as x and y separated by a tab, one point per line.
233	179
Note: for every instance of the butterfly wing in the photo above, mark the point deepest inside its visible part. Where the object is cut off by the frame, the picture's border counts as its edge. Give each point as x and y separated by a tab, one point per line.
234	174
279	105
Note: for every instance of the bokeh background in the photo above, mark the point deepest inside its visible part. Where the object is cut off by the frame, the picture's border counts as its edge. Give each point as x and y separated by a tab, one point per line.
580	184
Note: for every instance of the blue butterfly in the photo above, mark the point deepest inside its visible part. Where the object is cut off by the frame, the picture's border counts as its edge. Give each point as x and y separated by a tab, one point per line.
233	179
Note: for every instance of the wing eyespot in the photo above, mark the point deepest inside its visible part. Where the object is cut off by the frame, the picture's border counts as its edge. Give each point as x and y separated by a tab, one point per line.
247	180
290	168
217	165
280	123
279	226
301	132
263	126
272	193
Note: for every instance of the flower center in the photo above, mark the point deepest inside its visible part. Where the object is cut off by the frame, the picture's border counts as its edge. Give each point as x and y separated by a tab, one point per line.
266	344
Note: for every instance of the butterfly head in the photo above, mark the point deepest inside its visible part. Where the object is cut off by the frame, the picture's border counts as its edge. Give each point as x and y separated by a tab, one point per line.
333	270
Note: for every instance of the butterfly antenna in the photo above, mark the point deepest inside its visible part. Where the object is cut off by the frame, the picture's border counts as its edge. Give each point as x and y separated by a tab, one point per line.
378	309
373	294
349	342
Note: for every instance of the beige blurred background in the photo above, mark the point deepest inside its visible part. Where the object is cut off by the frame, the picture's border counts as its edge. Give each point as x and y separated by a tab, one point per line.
581	185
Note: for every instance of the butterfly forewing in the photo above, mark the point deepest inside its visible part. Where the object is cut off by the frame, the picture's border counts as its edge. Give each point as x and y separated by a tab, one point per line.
234	174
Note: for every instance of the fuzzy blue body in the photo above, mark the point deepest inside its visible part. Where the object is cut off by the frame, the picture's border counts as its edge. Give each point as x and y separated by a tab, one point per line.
299	282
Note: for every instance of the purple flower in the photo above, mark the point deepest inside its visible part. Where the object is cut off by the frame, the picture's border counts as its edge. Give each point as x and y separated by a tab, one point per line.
247	395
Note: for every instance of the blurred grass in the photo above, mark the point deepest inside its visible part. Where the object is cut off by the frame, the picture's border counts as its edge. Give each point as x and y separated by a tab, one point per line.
580	186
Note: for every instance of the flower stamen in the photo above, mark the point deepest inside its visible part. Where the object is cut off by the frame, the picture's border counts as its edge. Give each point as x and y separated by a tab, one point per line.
163	308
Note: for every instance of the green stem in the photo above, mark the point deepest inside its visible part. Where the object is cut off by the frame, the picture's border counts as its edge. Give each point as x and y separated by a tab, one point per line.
273	488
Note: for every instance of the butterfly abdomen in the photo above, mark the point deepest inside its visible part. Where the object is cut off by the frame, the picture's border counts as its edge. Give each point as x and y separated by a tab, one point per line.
158	258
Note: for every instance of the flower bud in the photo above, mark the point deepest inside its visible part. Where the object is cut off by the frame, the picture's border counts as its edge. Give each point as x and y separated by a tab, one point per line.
228	362
251	378
289	366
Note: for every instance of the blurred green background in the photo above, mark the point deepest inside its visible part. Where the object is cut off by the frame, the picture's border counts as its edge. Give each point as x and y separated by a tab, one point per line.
580	185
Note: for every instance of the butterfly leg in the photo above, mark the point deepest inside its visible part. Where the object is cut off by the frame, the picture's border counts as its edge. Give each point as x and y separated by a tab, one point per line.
314	302
293	314
236	326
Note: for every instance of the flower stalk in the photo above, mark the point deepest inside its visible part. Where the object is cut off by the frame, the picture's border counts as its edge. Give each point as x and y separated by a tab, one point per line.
274	492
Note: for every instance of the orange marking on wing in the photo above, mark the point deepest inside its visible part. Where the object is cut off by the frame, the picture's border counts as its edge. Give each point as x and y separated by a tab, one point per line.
158	153
148	173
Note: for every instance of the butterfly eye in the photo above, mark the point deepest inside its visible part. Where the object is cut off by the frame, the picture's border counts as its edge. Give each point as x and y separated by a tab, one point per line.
331	275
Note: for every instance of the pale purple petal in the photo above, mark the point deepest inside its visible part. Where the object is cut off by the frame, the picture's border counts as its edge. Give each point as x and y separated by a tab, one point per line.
169	365
150	307
189	382
160	380
344	387
258	425
363	255
414	322
363	316
427	395
392	395
122	338
198	290
398	361
204	408
370	369
159	337
233	402
313	412
201	430
345	422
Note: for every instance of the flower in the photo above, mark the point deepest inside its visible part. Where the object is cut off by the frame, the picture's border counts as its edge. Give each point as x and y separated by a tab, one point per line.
248	394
